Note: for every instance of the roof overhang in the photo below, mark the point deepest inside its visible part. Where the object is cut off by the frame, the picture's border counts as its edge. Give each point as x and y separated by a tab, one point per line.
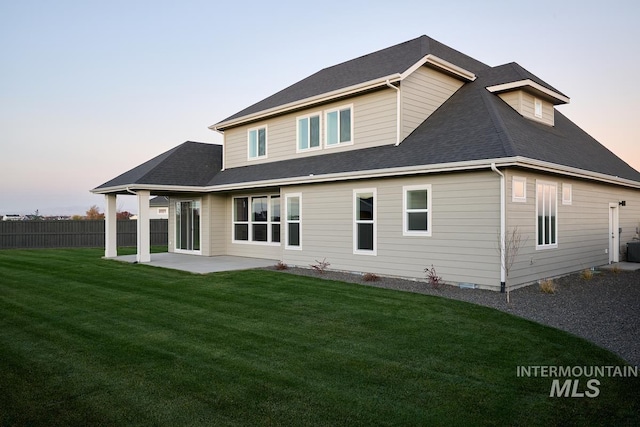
440	64
530	86
517	161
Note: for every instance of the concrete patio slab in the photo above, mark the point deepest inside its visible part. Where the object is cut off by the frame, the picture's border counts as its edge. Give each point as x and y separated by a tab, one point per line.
625	266
200	264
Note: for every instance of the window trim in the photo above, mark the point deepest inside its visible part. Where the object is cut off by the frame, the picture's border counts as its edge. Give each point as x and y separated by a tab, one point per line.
406	211
555	230
269	223
514	197
374	221
266	143
326	124
288	196
569	200
320	115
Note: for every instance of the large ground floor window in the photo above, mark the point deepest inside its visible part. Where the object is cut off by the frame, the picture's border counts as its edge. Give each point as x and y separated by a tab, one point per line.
256	219
188	225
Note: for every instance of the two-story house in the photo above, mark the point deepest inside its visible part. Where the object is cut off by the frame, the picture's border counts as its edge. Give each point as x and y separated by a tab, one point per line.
411	156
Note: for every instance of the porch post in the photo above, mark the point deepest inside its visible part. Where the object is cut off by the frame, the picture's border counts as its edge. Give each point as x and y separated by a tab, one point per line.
110	227
144	234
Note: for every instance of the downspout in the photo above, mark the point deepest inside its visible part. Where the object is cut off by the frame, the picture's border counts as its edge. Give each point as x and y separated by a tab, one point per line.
131	191
397	111
503	227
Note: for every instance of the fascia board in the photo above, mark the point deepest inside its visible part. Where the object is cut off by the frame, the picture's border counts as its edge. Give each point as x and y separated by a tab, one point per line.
520	84
441	65
339	93
517	161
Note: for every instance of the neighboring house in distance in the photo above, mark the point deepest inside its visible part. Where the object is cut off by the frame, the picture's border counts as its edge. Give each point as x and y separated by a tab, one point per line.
159	207
411	156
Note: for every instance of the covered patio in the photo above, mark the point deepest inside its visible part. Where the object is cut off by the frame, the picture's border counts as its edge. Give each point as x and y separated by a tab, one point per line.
199	264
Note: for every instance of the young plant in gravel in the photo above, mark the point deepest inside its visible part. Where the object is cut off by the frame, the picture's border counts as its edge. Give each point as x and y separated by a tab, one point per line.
281	266
586	274
432	276
320	266
370	277
508	247
547	286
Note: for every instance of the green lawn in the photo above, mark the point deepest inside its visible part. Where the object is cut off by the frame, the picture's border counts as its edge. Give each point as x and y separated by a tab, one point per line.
87	341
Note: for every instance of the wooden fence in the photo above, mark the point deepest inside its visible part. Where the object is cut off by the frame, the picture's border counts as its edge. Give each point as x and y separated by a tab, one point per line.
74	234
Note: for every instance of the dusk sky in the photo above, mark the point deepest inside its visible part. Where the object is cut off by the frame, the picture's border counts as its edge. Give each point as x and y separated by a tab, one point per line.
91	89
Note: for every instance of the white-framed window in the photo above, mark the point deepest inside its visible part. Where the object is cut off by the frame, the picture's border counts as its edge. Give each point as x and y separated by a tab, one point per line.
308	132
416	215
163	211
537	107
293	220
364	221
257	143
256	219
518	189
567	194
339	126
546	214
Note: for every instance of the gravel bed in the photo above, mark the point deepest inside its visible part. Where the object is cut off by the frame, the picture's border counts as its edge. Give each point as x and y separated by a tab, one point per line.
604	310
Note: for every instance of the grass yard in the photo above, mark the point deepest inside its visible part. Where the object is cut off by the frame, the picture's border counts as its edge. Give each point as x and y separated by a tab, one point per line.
87	341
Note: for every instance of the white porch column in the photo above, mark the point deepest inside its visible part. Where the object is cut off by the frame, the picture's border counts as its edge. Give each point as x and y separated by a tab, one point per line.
110	227
144	233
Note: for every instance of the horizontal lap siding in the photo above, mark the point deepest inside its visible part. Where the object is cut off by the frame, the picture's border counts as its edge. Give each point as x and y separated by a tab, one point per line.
583	227
423	92
374	124
462	247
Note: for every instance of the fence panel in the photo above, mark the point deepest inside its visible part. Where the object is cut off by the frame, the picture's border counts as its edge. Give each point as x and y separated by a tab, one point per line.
74	234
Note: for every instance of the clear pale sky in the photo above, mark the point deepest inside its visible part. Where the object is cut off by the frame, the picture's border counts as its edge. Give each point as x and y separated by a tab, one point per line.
91	89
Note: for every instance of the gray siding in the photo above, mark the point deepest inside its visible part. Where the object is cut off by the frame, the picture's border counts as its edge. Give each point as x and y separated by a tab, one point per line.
423	92
462	247
374	123
583	227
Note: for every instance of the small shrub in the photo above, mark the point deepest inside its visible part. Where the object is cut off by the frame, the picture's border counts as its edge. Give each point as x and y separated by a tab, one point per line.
281	266
370	277
320	266
615	269
434	280
547	286
587	274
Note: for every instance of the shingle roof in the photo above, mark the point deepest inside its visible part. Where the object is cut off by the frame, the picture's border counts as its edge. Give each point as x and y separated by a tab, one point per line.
382	63
473	124
188	164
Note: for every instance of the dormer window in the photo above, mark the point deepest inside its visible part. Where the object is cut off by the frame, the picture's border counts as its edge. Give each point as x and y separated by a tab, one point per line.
338	126
537	108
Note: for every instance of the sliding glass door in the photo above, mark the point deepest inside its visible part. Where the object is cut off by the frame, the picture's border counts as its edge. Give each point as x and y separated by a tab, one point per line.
188	225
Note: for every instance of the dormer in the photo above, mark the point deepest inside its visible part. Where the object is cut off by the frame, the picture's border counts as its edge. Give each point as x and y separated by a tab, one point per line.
530	99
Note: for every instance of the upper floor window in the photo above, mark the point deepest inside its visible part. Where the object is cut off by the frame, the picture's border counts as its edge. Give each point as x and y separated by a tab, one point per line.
308	132
537	107
339	129
257	138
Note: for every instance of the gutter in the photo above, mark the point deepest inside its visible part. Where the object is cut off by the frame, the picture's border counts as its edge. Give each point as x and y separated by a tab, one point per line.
397	89
503	227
